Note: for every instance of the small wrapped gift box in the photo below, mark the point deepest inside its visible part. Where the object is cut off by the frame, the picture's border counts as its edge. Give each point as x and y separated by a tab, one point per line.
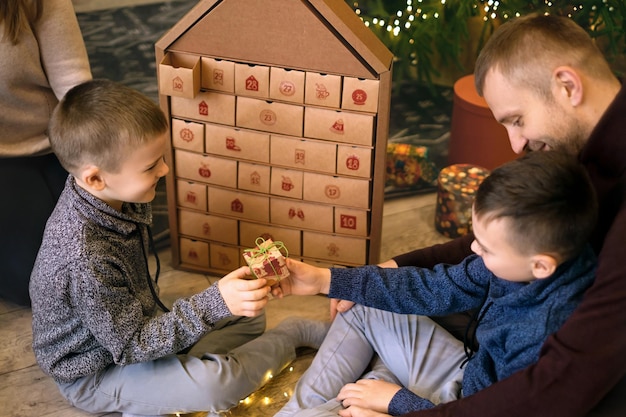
267	261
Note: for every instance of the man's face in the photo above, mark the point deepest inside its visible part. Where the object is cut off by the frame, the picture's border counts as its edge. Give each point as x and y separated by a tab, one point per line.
533	123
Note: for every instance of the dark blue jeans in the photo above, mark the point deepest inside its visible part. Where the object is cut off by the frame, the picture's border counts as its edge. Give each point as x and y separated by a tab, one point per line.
29	189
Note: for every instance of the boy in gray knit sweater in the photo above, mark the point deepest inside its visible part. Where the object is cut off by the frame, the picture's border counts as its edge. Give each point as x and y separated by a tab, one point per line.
96	328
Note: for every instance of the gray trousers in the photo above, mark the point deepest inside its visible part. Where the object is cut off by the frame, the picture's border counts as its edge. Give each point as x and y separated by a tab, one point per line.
409	350
206	379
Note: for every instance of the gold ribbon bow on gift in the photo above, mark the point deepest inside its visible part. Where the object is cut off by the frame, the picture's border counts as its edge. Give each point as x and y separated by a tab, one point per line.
262	253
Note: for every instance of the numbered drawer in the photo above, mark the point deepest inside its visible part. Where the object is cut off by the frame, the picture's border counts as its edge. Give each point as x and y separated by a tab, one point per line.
339	126
302	153
322	90
301	215
287	85
205	168
188	135
249	232
360	94
335	249
351	222
237	143
336	190
191	195
207	226
179	75
224	256
239	204
253	177
354	160
194	252
269	116
252	80
205	106
286	182
218	74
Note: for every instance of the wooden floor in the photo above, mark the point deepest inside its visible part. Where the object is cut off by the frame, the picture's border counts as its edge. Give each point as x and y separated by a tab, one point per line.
26	392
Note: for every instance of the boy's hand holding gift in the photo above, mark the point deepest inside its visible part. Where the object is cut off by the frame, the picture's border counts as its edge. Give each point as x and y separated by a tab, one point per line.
303	279
267	260
243	297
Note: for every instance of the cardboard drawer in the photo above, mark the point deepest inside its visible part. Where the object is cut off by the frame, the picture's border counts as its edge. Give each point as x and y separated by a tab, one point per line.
224	256
269	116
179	75
301	215
237	143
334	190
252	80
207	226
188	135
242	205
354	160
218	75
303	154
205	168
351	221
322	90
191	195
249	232
253	177
205	106
286	182
287	85
335	249
339	126
194	252
360	94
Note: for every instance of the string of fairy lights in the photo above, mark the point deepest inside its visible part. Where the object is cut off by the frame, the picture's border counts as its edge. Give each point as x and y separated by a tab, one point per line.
416	30
415	11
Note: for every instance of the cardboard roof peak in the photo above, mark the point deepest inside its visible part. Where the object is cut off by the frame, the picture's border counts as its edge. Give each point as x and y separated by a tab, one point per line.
314	35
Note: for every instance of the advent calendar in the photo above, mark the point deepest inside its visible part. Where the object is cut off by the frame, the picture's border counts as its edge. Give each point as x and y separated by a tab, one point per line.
279	116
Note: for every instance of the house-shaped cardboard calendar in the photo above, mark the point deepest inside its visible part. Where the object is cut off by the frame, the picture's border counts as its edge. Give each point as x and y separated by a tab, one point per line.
279	113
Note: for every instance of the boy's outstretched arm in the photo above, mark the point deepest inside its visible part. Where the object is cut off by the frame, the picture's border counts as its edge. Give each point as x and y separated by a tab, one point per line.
244	297
303	279
341	306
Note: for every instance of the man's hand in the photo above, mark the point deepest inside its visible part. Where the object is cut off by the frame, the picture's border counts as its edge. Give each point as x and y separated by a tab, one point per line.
303	279
371	394
244	297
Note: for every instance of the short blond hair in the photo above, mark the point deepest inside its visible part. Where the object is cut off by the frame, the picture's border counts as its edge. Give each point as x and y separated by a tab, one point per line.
527	49
99	121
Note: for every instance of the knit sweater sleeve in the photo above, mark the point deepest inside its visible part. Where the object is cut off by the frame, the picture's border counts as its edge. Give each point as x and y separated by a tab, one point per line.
63	52
118	318
405	401
409	290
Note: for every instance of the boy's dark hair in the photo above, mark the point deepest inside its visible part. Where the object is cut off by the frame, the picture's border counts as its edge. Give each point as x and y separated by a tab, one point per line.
548	200
100	121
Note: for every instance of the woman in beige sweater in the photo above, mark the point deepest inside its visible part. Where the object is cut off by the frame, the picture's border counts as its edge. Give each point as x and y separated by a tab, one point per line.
43	56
